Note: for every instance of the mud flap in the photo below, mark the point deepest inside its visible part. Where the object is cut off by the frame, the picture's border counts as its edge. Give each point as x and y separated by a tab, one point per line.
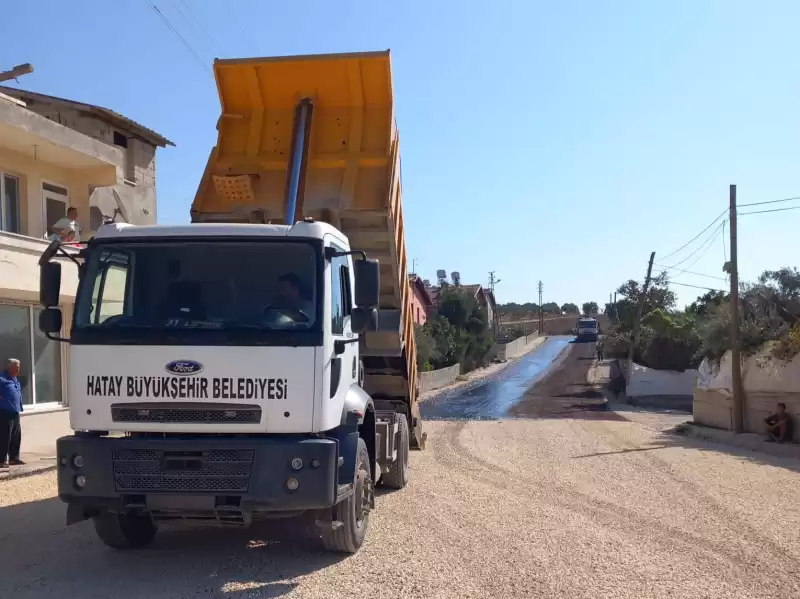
418	437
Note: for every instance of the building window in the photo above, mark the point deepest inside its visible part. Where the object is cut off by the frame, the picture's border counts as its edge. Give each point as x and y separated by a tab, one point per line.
40	358
128	162
120	140
9	207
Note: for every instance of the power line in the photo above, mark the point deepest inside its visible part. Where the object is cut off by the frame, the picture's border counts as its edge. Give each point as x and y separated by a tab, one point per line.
181	38
704	245
710	243
671	282
699	274
199	25
772	210
713	222
770	202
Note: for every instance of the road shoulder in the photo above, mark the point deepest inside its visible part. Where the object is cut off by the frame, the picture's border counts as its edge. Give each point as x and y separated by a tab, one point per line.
750	441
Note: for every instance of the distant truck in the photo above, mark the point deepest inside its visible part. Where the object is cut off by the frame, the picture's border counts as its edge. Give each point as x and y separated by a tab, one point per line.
259	362
586	329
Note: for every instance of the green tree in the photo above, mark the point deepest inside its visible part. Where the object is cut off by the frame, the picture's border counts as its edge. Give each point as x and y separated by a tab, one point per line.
467	331
590	308
516	310
426	347
551	308
658	296
444	336
703	305
570	308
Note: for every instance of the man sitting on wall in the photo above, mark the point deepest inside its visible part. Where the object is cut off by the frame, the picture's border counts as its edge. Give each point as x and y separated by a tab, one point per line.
780	426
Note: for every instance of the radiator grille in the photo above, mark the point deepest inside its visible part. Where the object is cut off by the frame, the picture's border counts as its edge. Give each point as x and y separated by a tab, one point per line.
204	415
214	471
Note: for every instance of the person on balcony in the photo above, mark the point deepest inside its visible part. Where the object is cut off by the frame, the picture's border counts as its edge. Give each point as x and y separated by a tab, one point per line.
67	229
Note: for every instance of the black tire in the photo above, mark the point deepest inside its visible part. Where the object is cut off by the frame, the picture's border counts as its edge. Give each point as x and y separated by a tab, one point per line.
125	531
397	477
353	512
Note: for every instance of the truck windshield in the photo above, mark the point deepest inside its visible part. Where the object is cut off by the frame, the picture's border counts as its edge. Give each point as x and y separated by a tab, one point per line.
178	286
587	324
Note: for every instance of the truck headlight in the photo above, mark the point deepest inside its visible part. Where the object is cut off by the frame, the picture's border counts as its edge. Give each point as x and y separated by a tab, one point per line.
292	483
77	461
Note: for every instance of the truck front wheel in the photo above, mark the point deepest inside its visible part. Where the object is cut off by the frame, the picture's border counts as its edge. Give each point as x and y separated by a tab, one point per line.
125	531
353	512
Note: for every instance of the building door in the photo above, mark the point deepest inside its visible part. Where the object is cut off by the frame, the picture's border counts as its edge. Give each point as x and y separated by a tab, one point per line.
55	201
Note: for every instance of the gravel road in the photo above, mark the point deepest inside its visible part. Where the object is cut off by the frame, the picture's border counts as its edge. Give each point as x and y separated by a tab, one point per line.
552	507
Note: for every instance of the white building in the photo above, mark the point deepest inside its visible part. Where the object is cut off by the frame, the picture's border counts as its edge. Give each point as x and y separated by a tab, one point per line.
56	153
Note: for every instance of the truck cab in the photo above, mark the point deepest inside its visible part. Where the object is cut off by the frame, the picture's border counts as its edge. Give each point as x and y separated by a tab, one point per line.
215	374
586	329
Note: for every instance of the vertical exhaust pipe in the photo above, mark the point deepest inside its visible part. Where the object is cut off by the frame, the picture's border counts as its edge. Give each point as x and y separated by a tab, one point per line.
301	135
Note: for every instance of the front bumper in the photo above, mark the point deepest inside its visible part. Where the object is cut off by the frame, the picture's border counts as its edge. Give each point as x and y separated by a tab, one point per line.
247	474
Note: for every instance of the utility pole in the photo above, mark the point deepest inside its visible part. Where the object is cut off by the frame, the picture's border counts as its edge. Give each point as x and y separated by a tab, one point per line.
638	319
541	312
495	316
17	71
736	359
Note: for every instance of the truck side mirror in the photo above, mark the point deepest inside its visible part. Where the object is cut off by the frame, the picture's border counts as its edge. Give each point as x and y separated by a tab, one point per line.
50	321
368	283
363	320
49	284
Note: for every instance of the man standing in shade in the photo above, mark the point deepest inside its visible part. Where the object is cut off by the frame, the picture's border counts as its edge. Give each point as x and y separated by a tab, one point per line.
10	409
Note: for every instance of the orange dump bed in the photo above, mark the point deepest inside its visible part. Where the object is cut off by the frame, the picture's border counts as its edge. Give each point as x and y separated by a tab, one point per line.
351	176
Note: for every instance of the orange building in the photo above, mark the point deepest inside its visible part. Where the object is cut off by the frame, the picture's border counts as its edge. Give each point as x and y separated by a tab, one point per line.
421	301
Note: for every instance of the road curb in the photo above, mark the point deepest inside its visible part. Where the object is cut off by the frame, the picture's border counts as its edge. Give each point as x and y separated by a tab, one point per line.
27	471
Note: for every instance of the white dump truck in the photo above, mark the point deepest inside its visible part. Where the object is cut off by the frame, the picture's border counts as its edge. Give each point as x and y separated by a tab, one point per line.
229	370
586	329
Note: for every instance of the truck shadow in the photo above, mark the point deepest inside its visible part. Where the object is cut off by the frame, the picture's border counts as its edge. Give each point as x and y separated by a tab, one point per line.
41	555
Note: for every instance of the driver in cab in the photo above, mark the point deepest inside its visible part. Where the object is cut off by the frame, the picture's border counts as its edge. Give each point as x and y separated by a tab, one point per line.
290	296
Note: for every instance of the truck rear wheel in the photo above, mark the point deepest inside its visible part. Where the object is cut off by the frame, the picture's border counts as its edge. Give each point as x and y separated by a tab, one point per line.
353	512
397	477
125	531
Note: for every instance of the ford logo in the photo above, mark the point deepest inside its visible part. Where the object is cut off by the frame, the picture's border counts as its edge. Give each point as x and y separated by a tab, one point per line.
183	367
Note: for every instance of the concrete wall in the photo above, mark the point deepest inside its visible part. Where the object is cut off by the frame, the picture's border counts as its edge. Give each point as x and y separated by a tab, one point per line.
645	382
506	351
715	408
767	381
435	379
438	378
19	270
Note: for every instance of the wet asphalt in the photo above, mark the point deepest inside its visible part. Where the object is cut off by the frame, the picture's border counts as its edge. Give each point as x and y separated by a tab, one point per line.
493	397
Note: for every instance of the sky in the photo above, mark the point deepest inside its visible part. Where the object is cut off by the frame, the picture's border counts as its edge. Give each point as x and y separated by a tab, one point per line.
552	141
